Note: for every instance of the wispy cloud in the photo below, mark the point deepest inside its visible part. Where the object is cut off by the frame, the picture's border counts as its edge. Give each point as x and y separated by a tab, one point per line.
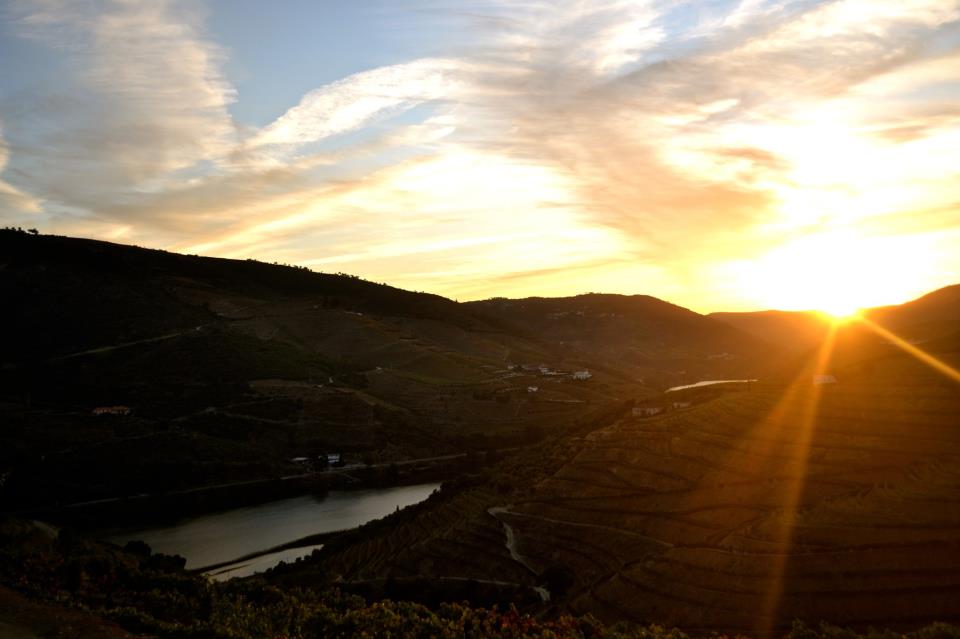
637	146
12	198
356	100
148	97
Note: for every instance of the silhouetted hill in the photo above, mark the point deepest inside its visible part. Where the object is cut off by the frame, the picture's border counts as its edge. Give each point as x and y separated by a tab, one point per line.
790	330
93	292
224	370
655	340
927	321
220	370
933	315
730	508
931	322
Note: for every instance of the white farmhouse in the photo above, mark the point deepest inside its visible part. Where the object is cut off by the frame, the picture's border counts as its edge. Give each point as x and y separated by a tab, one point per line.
582	375
820	380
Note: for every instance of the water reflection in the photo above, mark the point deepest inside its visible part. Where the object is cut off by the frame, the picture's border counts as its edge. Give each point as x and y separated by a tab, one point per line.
711	382
223	536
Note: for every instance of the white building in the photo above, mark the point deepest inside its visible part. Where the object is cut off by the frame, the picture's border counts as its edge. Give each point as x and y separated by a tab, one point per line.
582	375
820	380
533	389
646	411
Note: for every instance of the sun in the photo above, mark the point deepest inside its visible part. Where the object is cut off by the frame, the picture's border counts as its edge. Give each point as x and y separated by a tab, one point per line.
835	273
840	311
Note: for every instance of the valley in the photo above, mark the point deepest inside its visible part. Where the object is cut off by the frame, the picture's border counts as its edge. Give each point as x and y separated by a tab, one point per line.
137	371
614	458
738	515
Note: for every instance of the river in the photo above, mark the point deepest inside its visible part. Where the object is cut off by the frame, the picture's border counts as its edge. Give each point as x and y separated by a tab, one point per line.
711	382
224	536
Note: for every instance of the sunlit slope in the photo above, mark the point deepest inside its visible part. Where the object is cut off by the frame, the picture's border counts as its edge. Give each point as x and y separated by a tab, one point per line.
939	306
933	315
767	504
691	513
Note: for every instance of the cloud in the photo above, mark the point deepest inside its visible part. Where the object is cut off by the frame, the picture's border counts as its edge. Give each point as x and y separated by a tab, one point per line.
645	145
148	97
672	151
14	202
358	99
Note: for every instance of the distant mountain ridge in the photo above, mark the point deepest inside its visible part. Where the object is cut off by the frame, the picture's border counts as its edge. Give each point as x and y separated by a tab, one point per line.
230	368
932	315
126	371
651	338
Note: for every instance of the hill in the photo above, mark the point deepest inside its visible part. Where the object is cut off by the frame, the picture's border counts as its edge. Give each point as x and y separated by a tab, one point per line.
727	508
929	317
796	331
54	584
656	342
126	370
210	370
735	510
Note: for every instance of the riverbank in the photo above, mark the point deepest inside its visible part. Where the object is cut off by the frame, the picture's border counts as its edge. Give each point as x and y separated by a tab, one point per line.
241	541
169	507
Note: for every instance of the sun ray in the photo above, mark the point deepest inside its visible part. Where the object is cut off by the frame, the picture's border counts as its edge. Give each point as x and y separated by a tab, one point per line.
909	348
782	440
800	404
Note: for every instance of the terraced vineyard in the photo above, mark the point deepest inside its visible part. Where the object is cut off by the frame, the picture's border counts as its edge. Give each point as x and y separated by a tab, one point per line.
764	505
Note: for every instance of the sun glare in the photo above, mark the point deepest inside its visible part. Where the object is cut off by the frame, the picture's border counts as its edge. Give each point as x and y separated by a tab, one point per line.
836	273
840	311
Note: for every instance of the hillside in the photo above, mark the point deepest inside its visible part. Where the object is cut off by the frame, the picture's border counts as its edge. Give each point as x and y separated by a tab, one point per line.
796	331
753	506
224	370
929	317
127	371
935	307
657	342
727	508
55	584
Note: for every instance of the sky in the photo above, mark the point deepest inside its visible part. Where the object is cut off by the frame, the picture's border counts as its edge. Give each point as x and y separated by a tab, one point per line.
723	155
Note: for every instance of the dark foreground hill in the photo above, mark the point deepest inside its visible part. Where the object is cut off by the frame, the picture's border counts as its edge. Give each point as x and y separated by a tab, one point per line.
731	508
932	316
54	584
127	371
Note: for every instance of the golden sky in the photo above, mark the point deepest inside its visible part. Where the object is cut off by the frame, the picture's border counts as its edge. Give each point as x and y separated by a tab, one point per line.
722	155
